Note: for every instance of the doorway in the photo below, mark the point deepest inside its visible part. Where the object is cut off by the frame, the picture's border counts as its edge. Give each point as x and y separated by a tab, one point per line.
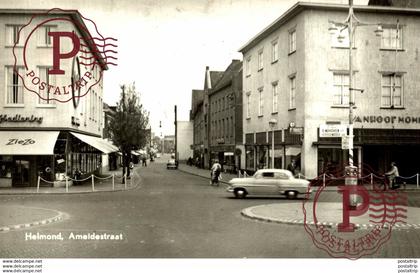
21	174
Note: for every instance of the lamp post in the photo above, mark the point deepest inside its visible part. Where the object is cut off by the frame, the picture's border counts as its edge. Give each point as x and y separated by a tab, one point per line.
351	24
272	124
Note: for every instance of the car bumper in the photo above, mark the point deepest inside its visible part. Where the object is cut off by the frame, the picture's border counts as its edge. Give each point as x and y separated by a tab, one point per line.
229	189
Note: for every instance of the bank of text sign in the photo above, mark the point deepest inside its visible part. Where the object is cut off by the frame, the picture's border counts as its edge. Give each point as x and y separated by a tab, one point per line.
332	130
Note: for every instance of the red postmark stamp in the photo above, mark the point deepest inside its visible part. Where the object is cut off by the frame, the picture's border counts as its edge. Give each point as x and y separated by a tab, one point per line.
58	59
360	224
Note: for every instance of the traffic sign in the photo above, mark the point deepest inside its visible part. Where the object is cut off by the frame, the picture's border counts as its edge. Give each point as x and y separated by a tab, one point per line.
332	130
346	142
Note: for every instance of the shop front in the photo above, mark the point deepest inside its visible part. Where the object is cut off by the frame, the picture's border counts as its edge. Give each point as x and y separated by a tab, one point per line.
374	150
51	155
24	155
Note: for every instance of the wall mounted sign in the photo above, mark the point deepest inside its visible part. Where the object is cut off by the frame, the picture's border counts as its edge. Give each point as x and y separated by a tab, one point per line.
75	121
332	130
387	119
19	118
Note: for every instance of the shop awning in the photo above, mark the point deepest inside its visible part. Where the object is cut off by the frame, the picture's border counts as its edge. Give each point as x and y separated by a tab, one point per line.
135	153
228	153
96	142
28	142
294	151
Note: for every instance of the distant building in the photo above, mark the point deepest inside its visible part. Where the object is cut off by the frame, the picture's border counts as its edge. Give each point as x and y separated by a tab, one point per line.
169	144
225	118
184	140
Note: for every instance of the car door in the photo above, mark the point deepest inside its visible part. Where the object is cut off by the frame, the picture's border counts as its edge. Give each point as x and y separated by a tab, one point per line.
267	184
283	182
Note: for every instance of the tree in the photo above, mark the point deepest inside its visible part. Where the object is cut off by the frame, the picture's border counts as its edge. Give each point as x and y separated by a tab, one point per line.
128	128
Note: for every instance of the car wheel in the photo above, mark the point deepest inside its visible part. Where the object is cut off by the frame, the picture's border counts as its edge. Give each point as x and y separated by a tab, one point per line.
240	193
291	195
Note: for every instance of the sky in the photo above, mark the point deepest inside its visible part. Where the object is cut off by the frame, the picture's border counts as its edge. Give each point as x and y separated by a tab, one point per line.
164	46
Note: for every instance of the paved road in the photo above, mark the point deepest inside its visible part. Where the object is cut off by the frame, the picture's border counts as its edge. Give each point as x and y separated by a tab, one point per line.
173	214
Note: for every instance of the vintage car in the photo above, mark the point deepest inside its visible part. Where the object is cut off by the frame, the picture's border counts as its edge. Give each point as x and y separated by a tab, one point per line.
270	182
172	164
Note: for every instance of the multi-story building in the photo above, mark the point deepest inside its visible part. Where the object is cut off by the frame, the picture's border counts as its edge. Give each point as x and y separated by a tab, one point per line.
297	72
197	118
200	116
39	135
225	118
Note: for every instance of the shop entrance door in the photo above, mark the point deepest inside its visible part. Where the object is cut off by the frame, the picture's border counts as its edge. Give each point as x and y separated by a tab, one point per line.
20	177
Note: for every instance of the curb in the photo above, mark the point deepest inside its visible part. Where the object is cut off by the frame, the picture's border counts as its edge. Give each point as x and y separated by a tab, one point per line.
247	212
60	217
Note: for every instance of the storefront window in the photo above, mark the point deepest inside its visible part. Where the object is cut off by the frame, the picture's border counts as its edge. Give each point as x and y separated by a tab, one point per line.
333	160
262	157
6	166
249	160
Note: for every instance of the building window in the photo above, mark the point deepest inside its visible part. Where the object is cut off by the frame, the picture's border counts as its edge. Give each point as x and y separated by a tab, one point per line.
260	102
12	33
43	38
292	97
392	91
292	41
14	86
274	51
275	97
248	105
260	60
341	89
391	38
248	66
45	92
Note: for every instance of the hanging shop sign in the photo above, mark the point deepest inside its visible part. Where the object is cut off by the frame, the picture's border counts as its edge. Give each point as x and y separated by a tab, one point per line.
20	118
387	119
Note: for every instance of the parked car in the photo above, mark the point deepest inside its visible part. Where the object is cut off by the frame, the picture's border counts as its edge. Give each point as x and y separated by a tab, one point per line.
157	155
172	164
269	182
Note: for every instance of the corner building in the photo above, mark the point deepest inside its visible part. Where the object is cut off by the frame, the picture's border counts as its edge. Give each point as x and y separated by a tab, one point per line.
43	137
297	72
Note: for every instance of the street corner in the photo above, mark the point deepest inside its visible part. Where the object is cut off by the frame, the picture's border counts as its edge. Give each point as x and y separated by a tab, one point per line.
23	217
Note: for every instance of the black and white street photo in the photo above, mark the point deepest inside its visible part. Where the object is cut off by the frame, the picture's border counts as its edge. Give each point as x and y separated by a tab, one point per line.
186	135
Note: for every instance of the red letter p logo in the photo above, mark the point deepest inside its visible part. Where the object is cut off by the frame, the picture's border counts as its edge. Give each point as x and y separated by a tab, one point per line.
57	55
361	209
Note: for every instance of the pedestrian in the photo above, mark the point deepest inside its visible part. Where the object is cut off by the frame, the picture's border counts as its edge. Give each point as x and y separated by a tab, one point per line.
215	173
392	175
144	161
292	166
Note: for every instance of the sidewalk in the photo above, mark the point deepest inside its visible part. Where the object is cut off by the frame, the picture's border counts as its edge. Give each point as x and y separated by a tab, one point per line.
99	185
226	177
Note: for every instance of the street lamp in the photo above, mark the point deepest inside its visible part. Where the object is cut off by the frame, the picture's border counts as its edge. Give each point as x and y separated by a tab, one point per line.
272	124
351	23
